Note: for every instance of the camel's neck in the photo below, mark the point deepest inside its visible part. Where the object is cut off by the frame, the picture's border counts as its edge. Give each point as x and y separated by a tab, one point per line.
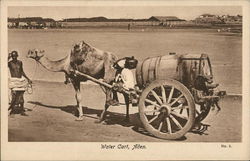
54	66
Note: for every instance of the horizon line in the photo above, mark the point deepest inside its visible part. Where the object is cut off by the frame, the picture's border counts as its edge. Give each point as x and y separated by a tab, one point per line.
117	18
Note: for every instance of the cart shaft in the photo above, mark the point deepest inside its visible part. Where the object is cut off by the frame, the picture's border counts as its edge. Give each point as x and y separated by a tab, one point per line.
94	79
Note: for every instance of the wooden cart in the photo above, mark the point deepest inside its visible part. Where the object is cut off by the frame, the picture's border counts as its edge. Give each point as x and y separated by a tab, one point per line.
175	92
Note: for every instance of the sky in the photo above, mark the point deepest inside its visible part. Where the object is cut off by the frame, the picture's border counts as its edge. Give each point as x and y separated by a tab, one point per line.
136	12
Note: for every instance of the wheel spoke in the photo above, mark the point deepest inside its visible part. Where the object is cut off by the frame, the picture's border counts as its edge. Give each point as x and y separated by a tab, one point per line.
181	111
179	115
151	111
171	94
176	122
163	94
152	103
197	112
180	107
169	125
154	118
176	100
156	97
159	128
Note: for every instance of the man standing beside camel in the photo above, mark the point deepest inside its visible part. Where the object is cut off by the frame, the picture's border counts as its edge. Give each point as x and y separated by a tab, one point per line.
17	83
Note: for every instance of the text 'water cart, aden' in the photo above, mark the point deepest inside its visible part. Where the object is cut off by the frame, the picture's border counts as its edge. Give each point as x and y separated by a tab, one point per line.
175	92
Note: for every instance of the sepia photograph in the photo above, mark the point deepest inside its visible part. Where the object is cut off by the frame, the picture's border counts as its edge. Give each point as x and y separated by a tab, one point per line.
122	76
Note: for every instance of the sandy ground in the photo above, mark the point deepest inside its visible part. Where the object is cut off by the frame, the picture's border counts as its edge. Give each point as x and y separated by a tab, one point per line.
52	119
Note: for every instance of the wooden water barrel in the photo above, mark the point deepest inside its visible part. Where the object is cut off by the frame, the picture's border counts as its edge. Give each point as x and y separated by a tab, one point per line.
192	66
160	67
184	68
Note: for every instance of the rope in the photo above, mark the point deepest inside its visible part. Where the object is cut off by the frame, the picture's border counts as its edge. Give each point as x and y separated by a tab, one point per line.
30	86
29	89
35	70
103	89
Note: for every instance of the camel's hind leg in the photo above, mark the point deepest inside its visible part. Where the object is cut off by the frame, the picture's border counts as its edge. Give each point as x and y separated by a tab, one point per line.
78	96
109	76
108	93
103	114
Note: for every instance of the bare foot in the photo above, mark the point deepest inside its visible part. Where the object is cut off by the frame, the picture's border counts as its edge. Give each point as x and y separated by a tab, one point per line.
24	114
99	121
12	115
80	118
103	122
28	109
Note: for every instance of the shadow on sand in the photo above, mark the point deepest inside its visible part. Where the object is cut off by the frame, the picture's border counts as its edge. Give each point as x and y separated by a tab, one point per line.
113	118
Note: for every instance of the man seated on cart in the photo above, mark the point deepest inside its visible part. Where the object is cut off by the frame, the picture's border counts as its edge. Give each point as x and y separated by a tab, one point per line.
124	75
17	84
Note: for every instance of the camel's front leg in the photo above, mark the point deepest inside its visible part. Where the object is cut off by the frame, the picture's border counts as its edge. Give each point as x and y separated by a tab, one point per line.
78	100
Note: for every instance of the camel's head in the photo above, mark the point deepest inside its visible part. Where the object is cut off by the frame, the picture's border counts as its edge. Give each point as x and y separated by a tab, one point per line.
81	48
35	54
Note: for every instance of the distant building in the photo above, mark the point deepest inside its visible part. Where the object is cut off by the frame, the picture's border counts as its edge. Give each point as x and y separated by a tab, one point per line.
11	24
23	25
232	19
208	18
30	22
49	22
216	19
166	20
33	23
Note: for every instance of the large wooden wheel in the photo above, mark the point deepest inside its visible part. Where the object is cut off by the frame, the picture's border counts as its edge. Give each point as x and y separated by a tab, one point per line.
167	109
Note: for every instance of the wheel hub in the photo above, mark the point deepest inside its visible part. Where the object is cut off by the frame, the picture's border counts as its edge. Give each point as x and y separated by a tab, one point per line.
165	109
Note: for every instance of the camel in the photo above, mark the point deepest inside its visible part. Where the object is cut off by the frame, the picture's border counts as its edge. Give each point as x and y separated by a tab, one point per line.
88	60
